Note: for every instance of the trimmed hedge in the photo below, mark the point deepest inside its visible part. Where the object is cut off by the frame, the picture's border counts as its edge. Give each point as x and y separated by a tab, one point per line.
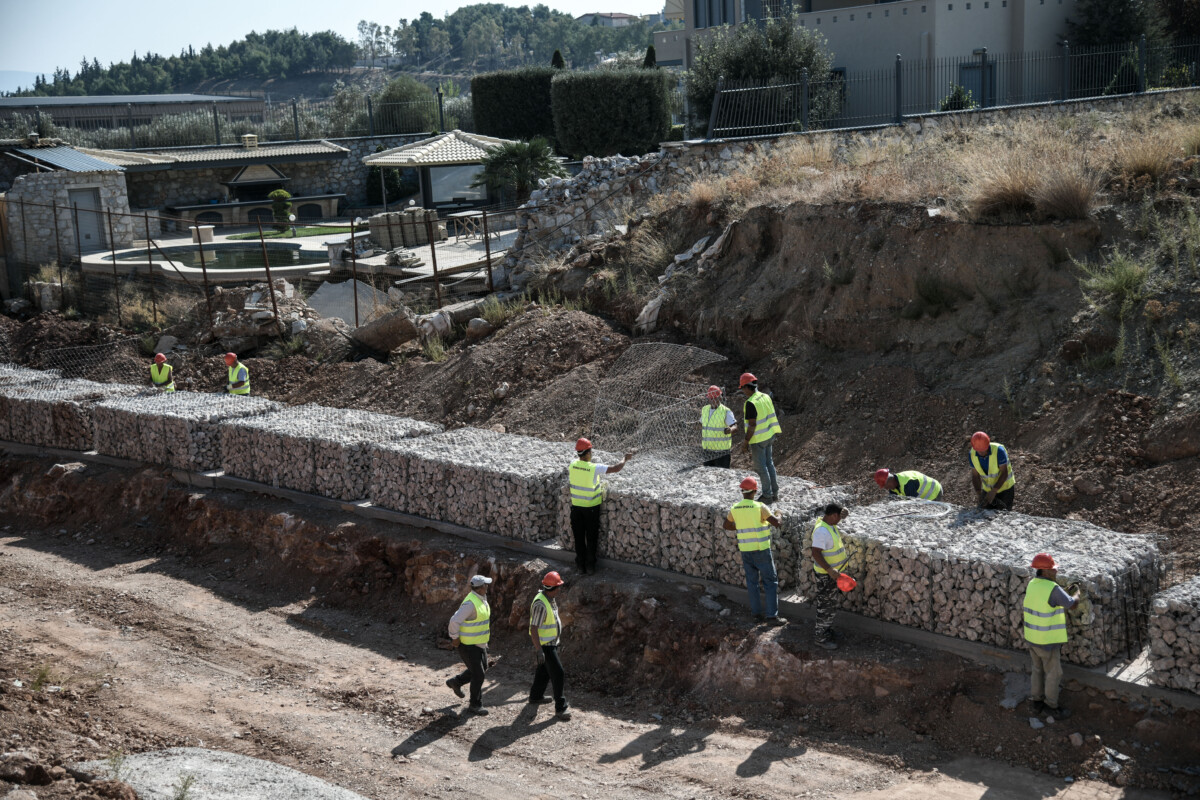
605	112
514	103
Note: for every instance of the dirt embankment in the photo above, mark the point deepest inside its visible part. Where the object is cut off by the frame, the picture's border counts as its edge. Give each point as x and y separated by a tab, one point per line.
884	703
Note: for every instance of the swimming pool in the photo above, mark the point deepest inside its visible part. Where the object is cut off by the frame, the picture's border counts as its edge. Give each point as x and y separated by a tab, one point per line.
230	256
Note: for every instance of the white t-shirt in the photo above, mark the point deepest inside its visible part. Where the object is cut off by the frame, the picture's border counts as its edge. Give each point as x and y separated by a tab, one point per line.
822	538
601	469
729	417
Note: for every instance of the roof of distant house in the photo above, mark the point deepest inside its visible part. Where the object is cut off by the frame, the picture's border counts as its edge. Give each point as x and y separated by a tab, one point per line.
65	158
609	15
445	149
120	99
220	155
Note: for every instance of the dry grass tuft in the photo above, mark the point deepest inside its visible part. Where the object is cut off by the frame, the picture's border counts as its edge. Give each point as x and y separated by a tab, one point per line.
1068	192
1004	185
1191	141
702	195
1145	156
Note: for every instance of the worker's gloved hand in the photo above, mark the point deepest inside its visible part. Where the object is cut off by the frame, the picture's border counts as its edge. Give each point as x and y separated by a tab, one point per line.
541	656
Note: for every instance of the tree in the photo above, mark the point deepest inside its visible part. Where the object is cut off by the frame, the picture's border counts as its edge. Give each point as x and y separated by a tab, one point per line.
517	166
651	61
1109	22
1182	17
281	207
405	105
557	61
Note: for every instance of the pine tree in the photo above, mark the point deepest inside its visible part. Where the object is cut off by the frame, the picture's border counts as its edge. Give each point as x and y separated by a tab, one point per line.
557	61
651	61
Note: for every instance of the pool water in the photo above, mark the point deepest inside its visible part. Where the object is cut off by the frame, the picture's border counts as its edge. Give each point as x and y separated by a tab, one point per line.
230	256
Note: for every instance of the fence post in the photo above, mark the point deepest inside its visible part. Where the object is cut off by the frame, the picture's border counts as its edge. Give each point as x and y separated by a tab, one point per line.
295	121
112	248
62	286
204	275
804	99
983	81
25	233
150	270
354	266
129	118
899	90
441	111
716	105
437	287
270	285
78	241
216	123
1142	82
383	188
370	118
487	250
1065	89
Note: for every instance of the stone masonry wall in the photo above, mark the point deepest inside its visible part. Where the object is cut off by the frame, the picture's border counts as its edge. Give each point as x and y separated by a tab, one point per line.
32	240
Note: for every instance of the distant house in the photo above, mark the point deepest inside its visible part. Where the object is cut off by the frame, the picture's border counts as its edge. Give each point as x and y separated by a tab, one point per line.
608	20
124	110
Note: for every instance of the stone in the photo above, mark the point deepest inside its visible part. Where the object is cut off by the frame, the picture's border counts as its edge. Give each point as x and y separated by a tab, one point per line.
299	326
1036	723
166	343
1076	739
479	328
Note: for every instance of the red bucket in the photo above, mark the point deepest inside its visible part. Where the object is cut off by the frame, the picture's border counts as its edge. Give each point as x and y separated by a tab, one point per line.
845	582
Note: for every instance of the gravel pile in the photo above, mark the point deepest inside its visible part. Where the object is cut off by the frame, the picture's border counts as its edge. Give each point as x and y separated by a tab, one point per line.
964	574
498	482
57	414
1175	637
175	429
311	448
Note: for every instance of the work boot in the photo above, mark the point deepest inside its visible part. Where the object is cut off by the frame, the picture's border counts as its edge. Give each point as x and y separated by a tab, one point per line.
564	715
455	687
776	620
1038	706
1057	713
480	710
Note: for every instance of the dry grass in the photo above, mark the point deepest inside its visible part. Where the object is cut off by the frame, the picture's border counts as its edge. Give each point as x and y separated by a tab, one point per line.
1191	141
1004	185
1069	192
1145	155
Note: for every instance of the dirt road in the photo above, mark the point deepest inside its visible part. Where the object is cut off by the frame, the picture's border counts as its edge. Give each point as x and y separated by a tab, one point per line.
160	651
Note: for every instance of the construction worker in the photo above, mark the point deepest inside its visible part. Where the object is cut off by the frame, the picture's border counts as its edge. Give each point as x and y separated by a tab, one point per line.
238	379
908	484
162	374
470	631
991	473
829	556
761	428
545	628
1046	607
587	493
753	520
717	425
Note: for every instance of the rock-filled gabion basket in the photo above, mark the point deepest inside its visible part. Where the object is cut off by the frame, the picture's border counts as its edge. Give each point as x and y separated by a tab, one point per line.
663	514
175	429
497	482
14	375
311	448
963	573
1175	637
57	414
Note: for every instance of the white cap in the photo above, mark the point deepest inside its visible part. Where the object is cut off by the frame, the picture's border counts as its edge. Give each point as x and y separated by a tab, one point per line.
480	580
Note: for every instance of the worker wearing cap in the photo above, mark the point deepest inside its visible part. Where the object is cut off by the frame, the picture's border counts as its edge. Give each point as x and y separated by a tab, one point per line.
162	374
717	425
991	473
762	426
753	520
587	493
545	628
1046	607
829	556
909	483
470	631
238	378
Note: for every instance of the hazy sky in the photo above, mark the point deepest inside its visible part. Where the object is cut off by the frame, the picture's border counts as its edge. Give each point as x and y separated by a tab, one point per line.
37	37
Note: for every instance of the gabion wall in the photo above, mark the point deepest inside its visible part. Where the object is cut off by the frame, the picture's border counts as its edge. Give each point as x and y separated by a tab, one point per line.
1175	637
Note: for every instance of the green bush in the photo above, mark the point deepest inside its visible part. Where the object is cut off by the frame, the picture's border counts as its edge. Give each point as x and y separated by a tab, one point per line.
676	133
405	105
281	207
514	104
959	99
605	112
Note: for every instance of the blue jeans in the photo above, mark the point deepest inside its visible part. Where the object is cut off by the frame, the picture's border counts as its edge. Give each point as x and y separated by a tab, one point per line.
761	564
764	465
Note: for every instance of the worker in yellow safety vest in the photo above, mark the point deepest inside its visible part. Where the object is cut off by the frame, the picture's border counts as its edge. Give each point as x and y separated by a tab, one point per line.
470	631
991	473
587	493
762	426
717	425
545	629
909	483
162	374
753	521
1046	607
238	377
829	557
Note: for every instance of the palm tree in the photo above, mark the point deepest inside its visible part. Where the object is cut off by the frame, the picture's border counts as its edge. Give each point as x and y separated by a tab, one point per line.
517	166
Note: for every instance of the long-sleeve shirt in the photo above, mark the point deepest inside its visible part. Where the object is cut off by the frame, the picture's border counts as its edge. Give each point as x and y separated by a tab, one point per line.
465	613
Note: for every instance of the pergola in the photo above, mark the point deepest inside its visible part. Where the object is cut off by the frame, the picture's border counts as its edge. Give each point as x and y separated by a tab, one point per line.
446	164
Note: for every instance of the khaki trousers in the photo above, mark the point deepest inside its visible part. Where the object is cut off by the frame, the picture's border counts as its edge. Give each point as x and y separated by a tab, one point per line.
1047	674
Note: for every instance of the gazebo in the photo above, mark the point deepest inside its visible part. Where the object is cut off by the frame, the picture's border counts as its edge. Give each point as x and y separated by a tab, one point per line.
447	165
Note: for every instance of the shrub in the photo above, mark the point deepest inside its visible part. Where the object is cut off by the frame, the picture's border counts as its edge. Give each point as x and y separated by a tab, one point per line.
517	166
959	99
605	112
676	133
651	60
1004	185
405	105
1068	192
1120	281
514	104
281	207
1148	156
556	61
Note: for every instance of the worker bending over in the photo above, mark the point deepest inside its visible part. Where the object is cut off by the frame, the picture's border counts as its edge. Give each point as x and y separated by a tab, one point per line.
470	631
162	374
717	425
545	629
238	377
753	520
761	428
1046	607
908	484
587	493
991	473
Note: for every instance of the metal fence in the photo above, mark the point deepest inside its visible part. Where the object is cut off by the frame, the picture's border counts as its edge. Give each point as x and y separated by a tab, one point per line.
862	98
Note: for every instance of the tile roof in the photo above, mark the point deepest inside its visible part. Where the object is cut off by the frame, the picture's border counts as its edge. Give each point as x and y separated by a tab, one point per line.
453	147
121	100
219	153
67	159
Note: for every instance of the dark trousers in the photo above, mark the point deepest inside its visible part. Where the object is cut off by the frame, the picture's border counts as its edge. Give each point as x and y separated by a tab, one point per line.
475	657
552	673
1003	501
585	524
719	461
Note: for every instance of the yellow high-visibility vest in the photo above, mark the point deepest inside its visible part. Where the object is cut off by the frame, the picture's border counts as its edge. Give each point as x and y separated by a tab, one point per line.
550	629
988	476
927	487
714	436
162	376
766	425
478	630
835	556
753	533
233	378
586	491
1044	623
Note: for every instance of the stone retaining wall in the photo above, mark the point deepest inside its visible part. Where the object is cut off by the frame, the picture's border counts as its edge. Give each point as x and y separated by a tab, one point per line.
55	414
31	227
1175	637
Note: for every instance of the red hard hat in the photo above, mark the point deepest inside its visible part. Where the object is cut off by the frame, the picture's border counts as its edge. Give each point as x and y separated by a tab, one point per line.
747	377
714	392
1043	561
980	441
230	358
881	476
159	358
749	484
583	445
552	579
